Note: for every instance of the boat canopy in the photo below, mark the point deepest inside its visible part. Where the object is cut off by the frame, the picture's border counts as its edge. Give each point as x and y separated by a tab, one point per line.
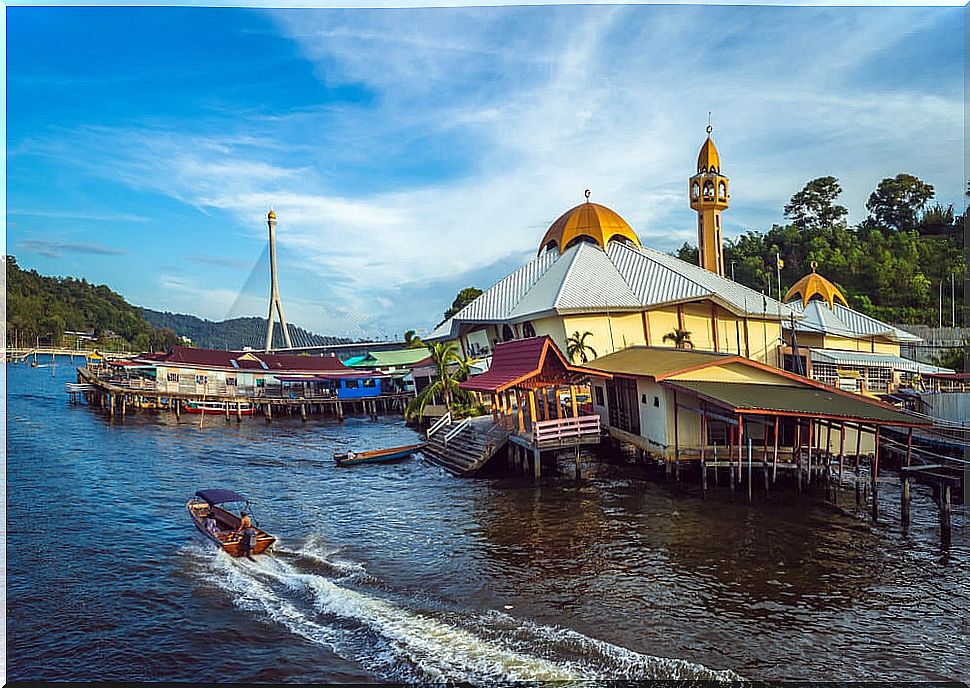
219	496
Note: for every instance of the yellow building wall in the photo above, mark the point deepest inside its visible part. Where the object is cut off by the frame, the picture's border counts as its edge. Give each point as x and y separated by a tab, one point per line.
608	333
662	321
555	328
820	341
697	321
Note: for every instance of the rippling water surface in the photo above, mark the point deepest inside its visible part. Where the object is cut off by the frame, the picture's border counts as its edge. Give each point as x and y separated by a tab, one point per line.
402	572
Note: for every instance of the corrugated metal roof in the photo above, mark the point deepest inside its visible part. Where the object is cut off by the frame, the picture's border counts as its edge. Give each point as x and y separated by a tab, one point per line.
495	304
654	360
519	360
396	357
819	403
863	358
845	322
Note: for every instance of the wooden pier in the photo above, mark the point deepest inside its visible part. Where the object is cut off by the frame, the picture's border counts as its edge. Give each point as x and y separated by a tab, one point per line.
117	397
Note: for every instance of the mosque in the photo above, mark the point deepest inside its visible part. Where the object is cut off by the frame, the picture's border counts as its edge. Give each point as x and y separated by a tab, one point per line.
592	275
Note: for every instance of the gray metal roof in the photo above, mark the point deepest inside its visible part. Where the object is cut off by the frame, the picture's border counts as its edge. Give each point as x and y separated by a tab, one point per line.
845	322
873	360
587	279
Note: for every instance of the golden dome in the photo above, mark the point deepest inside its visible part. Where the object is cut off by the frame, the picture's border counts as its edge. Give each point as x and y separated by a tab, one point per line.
813	285
591	222
271	215
708	160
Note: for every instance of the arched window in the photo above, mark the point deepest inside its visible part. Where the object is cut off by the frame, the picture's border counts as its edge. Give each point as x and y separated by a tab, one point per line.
708	189
528	330
507	334
551	245
695	191
722	190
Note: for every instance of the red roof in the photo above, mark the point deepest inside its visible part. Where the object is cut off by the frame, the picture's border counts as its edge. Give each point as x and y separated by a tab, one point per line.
518	360
249	360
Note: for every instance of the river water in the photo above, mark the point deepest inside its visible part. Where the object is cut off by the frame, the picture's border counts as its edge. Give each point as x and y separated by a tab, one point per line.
405	573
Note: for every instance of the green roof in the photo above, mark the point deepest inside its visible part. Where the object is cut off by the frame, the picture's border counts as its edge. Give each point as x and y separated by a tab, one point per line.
653	360
808	401
354	360
399	358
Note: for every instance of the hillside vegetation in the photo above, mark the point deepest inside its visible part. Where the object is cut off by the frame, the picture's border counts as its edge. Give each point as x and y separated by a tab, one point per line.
889	266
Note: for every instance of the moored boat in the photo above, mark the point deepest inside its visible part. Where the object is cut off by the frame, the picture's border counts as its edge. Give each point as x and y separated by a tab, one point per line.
219	524
243	408
376	456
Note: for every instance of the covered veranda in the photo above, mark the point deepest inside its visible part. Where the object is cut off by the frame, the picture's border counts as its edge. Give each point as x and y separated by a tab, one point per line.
533	392
802	429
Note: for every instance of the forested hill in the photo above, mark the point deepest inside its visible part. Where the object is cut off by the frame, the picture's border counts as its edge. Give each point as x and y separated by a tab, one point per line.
232	334
45	307
890	266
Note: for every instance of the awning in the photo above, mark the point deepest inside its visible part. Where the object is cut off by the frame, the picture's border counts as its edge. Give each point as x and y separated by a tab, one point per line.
219	496
799	401
520	361
873	360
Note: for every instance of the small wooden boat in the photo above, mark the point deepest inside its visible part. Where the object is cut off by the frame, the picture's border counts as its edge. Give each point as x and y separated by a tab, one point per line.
219	407
208	503
376	456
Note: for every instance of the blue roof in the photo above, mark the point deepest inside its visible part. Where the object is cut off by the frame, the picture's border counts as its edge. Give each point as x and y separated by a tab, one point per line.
218	496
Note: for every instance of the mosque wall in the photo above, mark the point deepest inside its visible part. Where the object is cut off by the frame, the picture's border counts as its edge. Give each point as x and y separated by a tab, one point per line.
555	328
697	321
609	332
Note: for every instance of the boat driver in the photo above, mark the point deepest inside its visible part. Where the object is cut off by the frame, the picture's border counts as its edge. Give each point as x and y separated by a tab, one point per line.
247	531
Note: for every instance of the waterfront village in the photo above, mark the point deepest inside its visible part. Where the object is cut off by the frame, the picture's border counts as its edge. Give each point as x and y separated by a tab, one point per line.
602	340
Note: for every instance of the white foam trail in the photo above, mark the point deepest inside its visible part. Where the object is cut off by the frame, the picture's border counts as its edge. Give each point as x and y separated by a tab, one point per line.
415	646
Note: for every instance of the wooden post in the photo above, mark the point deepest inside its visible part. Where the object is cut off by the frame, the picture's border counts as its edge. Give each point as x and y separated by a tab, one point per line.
676	438
269	412
875	478
811	445
238	411
740	445
798	455
536	463
111	406
704	451
124	404
945	531
303	412
521	412
572	398
904	507
579	470
841	452
749	470
858	450
730	457
532	411
542	412
774	460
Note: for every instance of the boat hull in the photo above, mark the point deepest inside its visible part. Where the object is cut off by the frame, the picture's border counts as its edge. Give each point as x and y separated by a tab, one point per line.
228	542
377	456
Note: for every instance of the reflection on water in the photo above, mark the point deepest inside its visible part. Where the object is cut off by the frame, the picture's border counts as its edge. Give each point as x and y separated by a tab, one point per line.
404	573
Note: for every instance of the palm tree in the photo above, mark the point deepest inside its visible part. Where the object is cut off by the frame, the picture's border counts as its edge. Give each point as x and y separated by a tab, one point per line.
680	338
577	346
412	340
451	370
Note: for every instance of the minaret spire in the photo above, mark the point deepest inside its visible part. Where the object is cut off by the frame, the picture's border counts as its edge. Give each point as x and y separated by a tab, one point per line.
709	197
274	294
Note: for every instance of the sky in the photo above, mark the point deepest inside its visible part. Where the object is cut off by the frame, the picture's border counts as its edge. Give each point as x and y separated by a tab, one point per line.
411	152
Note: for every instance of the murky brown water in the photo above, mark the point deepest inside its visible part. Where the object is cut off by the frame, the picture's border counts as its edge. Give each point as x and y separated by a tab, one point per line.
402	572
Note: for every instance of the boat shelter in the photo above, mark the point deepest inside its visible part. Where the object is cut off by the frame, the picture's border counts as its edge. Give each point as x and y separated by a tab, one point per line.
534	393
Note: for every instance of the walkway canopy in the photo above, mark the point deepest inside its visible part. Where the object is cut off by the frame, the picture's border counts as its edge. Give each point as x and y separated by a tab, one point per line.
528	364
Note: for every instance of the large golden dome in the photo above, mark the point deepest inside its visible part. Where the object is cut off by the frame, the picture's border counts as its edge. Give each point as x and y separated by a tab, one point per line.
587	222
814	285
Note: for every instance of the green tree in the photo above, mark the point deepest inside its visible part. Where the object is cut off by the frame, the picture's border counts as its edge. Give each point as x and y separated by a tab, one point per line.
412	340
450	367
814	207
897	202
464	297
576	346
680	338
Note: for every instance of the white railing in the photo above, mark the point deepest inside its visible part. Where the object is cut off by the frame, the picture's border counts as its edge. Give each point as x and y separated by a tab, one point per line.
457	429
566	428
440	423
76	387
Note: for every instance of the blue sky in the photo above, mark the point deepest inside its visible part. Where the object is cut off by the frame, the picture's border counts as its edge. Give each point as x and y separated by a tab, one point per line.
412	152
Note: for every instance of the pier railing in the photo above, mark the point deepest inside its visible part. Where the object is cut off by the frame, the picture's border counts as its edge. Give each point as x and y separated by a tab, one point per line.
565	429
456	430
440	423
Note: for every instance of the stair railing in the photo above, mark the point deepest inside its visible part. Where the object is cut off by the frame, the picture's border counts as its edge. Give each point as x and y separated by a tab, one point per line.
440	423
457	430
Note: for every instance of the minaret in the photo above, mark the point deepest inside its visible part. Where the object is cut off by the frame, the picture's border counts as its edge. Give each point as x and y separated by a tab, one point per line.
274	295
709	196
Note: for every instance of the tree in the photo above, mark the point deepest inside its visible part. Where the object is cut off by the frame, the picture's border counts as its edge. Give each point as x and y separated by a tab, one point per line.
451	370
680	338
576	346
464	297
814	208
412	341
897	202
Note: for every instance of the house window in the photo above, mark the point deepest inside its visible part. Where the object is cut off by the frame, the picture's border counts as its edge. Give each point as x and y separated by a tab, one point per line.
351	384
643	399
173	377
260	382
201	379
656	402
230	382
528	330
599	396
507	334
371	383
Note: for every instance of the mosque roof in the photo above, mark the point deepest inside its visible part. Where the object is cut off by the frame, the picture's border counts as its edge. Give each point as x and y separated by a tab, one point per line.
588	279
814	285
590	221
842	321
708	160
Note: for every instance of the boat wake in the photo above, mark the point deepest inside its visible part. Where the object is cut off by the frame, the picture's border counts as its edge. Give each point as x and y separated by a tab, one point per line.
308	592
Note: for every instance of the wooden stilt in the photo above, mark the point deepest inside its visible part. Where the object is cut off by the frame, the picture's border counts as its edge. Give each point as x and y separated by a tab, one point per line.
904	507
579	470
676	439
875	478
704	451
269	412
798	456
749	471
945	531
811	444
536	463
858	451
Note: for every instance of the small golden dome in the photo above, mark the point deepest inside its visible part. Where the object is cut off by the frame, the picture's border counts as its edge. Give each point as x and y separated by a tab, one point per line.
271	215
588	221
814	285
708	160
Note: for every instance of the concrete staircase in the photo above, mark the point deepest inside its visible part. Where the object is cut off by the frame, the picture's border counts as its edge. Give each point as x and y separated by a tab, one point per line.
464	448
